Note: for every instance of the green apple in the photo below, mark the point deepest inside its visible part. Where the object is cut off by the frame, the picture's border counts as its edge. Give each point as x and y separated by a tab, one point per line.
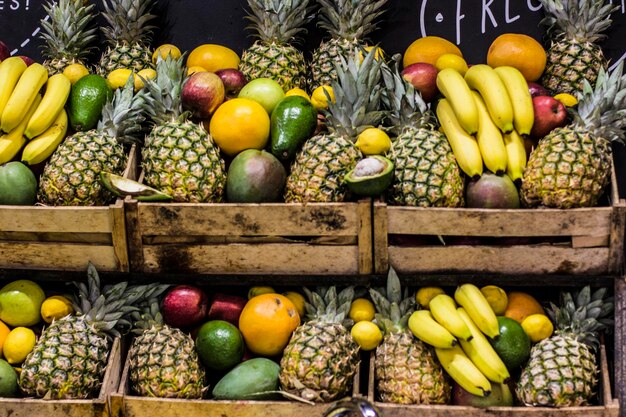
264	91
20	303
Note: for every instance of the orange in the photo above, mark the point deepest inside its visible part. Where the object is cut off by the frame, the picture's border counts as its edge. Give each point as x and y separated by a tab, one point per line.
522	305
4	331
239	124
428	49
267	322
520	51
213	57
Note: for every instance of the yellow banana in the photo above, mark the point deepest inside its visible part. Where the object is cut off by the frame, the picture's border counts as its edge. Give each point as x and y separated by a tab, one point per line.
516	155
463	371
41	147
12	142
477	307
464	146
521	100
489	139
28	86
56	94
443	309
453	87
485	80
10	71
425	328
480	351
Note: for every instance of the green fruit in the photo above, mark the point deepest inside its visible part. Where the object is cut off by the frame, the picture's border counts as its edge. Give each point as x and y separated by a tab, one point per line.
252	379
18	184
220	345
371	176
20	303
513	345
500	396
123	187
8	380
87	98
255	177
292	122
265	91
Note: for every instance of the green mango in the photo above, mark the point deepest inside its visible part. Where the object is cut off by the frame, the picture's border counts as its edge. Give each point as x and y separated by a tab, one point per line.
255	378
292	122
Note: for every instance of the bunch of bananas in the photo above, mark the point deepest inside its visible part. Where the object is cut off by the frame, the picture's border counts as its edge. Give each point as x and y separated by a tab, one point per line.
484	115
31	122
458	328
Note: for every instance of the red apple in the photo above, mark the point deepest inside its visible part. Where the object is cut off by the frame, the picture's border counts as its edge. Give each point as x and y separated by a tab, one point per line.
226	307
28	60
184	306
423	76
233	80
550	113
537	89
202	93
4	51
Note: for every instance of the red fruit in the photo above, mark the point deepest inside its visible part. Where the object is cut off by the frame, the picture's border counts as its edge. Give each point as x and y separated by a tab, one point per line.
550	113
28	60
184	306
423	76
4	51
233	80
226	307
537	89
202	94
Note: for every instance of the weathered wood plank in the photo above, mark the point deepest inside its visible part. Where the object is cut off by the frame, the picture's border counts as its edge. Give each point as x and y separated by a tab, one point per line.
118	235
55	219
364	239
61	256
381	227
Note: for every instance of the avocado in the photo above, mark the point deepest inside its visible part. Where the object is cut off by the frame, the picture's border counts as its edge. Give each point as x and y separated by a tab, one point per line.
255	378
87	99
371	176
292	122
122	187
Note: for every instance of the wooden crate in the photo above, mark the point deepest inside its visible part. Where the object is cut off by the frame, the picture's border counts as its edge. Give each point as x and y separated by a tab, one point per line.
607	407
97	407
505	241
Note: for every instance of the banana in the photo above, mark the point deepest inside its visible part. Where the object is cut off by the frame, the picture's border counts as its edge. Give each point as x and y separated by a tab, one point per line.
489	139
480	351
521	100
516	155
12	142
443	309
486	81
56	94
454	88
464	146
425	328
41	147
27	88
463	371
477	307
10	71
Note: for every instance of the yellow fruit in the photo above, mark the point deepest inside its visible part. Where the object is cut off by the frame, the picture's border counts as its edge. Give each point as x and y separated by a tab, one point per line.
378	54
18	344
4	332
373	141
496	297
362	309
428	49
213	57
425	294
367	335
164	50
117	78
319	99
451	61
537	327
75	72
55	307
260	289
298	300
520	51
239	124
297	92
567	99
144	74
194	69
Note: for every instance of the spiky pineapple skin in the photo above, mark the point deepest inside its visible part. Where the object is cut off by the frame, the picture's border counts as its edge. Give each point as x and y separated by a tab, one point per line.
68	361
283	63
122	55
324	59
561	372
181	159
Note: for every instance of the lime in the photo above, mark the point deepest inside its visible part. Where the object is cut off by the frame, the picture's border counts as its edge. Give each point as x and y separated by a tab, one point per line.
8	380
87	98
220	345
513	345
367	335
18	344
361	309
538	327
373	141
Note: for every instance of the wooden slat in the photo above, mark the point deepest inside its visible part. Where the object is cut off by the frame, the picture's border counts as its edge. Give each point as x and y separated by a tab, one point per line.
118	236
61	256
364	240
620	341
616	244
55	219
381	227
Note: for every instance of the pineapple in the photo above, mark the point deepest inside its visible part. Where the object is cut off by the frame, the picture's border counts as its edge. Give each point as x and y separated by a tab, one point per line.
321	358
277	23
575	27
163	360
70	357
407	371
68	34
425	171
179	156
571	166
348	22
129	35
561	371
71	176
317	173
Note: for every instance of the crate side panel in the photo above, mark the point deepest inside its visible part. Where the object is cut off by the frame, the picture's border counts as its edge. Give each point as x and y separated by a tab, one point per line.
57	256
55	219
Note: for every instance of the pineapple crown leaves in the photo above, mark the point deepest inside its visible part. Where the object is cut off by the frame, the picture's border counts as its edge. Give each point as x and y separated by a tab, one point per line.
350	19
123	115
128	21
147	316
164	92
69	31
393	306
580	20
327	305
280	21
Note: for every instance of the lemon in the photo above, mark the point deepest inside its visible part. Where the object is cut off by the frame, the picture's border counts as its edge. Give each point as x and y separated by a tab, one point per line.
194	69
496	297
117	78
453	61
377	55
319	98
260	289
298	300
568	100
75	72
367	335
55	307
537	327
164	50
144	74
425	294
361	309
297	92
18	344
373	141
